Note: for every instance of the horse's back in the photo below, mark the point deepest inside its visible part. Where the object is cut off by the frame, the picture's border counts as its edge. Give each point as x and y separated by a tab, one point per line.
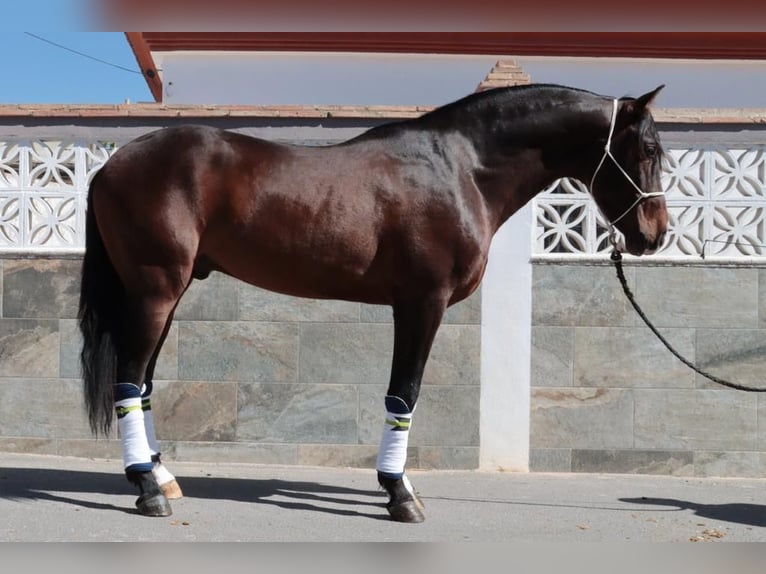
166	152
185	170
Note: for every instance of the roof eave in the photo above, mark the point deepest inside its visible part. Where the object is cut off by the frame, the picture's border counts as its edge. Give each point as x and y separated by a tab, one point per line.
146	63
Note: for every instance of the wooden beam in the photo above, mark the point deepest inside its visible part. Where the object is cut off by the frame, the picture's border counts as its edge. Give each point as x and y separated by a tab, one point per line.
146	63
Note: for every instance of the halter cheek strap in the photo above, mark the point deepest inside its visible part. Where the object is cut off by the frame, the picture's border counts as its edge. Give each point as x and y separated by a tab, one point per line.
642	195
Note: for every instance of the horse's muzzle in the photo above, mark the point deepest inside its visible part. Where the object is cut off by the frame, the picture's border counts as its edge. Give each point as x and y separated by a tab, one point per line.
653	222
643	245
640	244
653	246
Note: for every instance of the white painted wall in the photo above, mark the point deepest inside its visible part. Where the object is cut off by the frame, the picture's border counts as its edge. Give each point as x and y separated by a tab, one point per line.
506	347
689	83
430	79
317	79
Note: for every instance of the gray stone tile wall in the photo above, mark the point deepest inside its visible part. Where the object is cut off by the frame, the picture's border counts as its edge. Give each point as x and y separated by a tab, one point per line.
251	376
608	397
245	375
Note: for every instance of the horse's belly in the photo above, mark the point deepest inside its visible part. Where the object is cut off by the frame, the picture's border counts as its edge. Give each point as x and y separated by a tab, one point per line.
305	274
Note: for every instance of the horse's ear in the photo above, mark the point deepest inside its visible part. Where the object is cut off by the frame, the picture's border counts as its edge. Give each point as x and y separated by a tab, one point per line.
645	101
635	108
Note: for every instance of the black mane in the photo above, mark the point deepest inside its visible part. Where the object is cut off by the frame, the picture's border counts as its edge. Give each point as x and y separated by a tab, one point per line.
477	104
510	95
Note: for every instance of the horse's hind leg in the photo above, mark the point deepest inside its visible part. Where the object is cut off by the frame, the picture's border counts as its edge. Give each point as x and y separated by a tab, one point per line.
148	307
165	479
415	327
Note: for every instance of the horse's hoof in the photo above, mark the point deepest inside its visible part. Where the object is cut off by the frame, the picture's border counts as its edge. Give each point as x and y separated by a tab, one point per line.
408	511
153	505
404	505
172	490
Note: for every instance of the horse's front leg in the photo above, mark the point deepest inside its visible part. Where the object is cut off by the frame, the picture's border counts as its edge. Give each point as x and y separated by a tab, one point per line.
415	327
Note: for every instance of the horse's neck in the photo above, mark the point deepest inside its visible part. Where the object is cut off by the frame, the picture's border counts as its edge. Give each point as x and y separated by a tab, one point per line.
526	156
507	188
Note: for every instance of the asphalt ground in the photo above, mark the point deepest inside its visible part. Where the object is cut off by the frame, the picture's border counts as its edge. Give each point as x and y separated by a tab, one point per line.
59	499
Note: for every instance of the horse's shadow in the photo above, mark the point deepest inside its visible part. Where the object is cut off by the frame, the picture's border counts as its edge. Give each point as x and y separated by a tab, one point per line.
47	484
736	512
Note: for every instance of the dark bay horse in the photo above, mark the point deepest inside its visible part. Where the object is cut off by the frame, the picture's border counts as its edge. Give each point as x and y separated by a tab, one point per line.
402	215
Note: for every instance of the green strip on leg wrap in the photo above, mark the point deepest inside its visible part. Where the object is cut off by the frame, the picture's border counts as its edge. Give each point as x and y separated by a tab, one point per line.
397	424
122	411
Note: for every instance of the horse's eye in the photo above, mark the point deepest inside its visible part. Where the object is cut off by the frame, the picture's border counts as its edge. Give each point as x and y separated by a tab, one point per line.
651	151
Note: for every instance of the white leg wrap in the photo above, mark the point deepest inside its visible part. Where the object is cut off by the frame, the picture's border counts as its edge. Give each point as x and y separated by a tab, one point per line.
392	454
151	433
161	473
130	421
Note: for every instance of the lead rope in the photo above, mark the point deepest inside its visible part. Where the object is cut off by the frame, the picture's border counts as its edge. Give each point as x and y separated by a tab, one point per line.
616	258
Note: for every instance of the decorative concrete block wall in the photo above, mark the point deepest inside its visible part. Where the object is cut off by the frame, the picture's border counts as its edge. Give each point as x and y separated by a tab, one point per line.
245	375
608	397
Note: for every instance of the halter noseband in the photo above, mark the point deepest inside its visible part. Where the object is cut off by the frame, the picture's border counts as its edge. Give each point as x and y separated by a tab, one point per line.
642	195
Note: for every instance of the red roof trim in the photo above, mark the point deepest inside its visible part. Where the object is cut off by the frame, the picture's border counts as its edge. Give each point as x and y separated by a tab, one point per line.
703	45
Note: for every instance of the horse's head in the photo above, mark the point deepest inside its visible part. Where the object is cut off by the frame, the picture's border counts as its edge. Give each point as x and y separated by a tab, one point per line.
626	183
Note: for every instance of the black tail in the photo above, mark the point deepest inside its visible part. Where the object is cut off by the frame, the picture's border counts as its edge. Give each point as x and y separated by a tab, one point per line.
101	295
